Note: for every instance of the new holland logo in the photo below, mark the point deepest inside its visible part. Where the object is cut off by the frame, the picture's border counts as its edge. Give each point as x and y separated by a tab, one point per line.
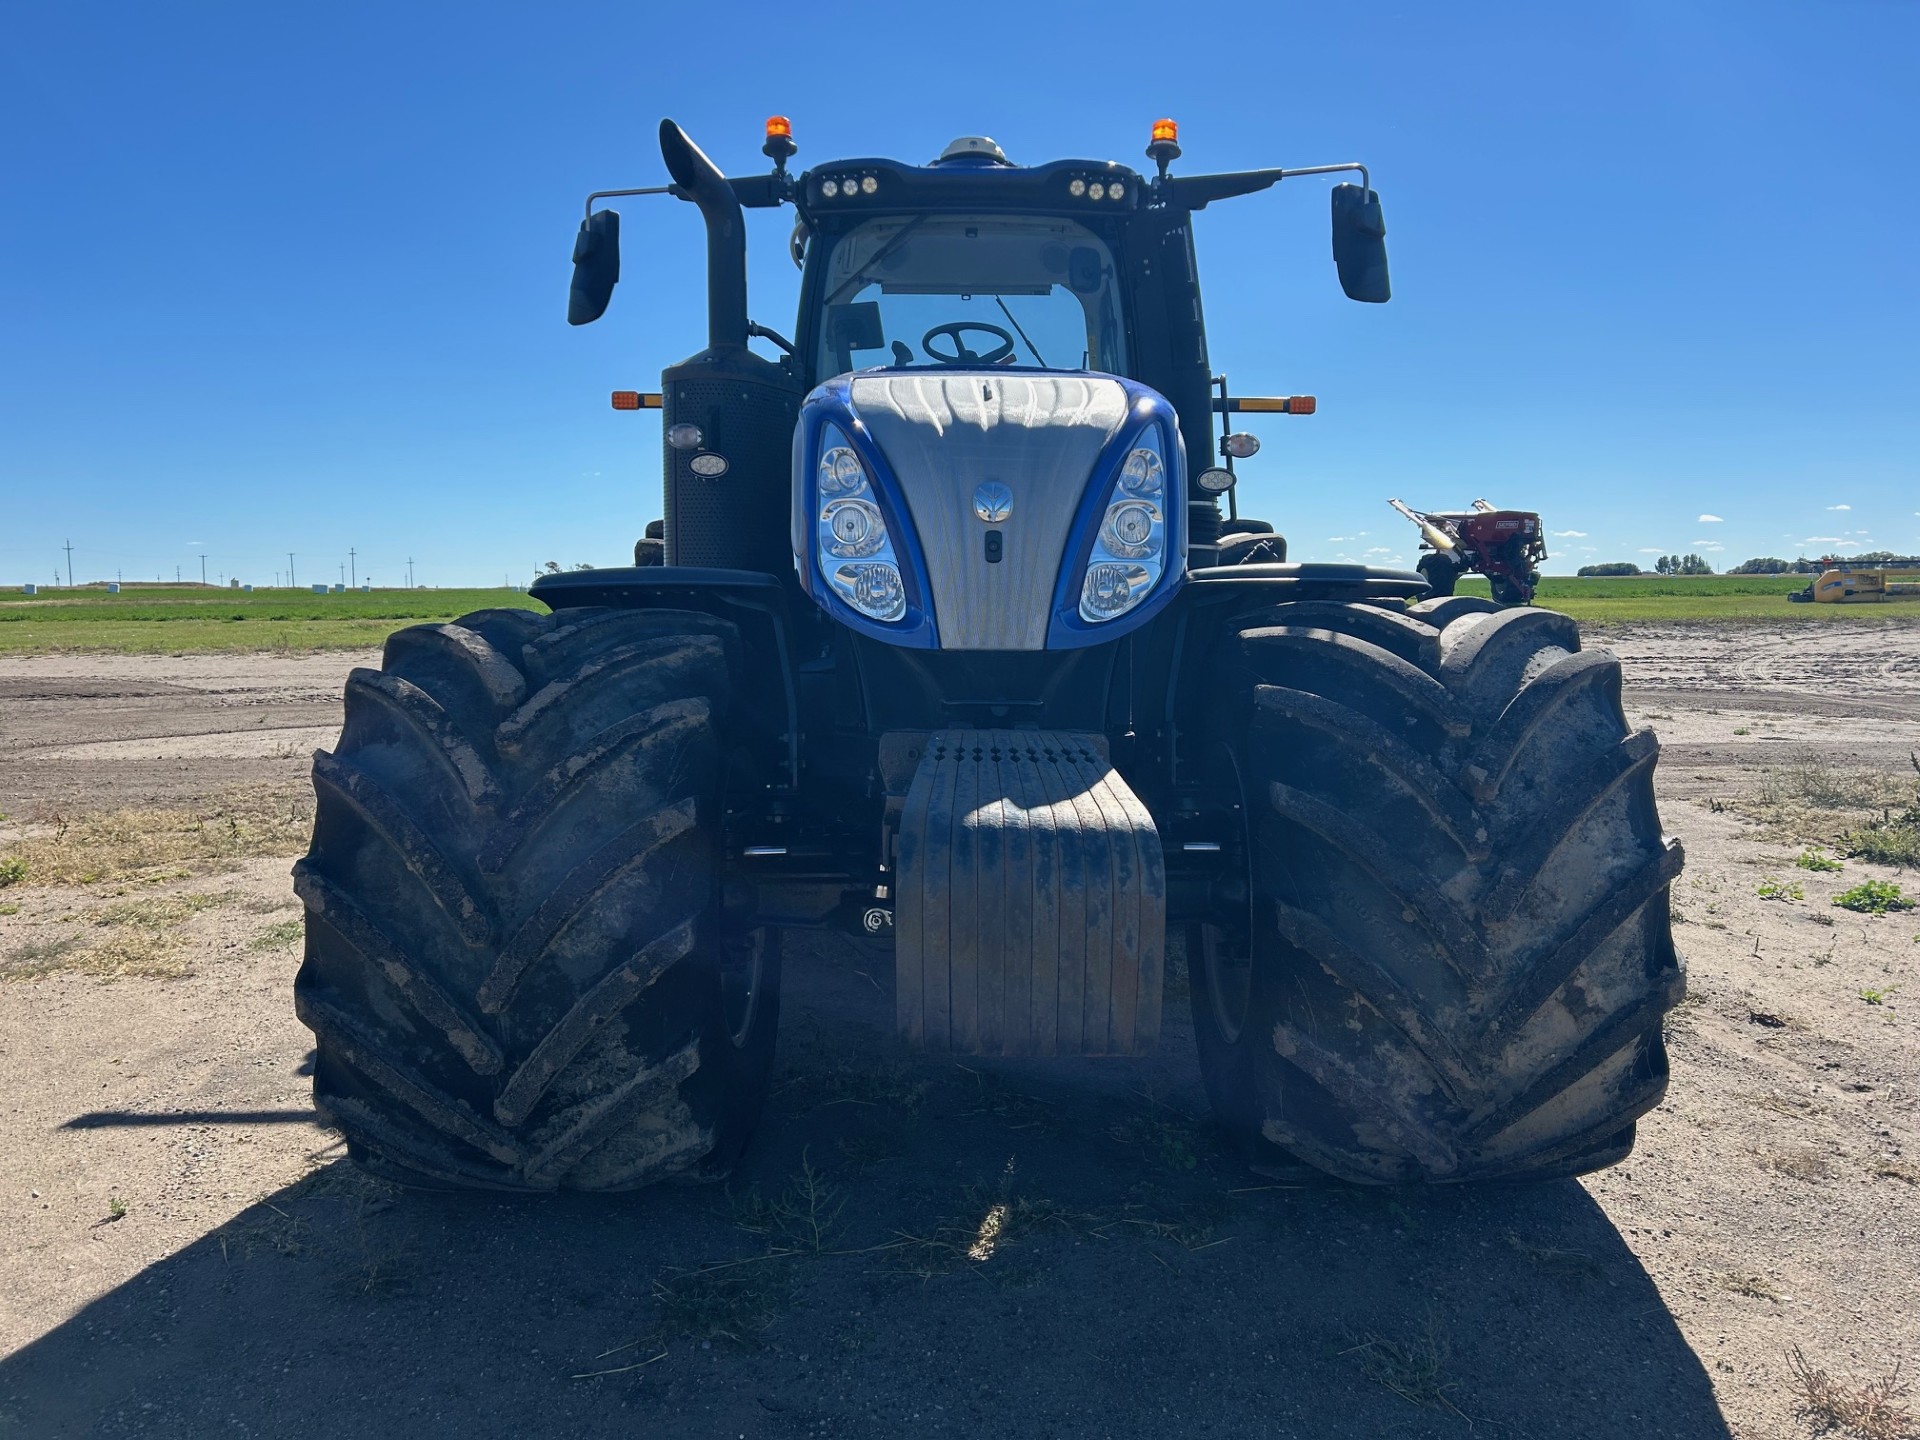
992	502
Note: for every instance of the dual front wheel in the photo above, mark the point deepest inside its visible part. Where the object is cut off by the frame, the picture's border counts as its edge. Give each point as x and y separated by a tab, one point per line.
1452	964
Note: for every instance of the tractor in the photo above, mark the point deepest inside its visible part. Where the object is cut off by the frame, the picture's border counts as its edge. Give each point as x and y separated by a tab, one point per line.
1506	546
945	639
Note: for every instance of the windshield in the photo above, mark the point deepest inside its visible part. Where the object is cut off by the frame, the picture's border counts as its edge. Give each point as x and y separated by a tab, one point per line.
926	291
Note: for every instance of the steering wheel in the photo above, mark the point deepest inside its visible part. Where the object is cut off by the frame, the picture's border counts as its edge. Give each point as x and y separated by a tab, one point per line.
963	355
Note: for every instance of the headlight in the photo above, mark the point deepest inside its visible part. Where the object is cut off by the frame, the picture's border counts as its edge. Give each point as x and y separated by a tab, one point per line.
854	528
854	551
1130	552
841	472
1143	474
1129	529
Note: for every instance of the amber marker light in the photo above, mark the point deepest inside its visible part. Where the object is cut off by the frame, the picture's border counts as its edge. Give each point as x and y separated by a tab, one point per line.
1167	131
779	128
1267	405
635	400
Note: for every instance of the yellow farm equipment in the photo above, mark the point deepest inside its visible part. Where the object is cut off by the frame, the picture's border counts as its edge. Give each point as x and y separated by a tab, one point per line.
1846	586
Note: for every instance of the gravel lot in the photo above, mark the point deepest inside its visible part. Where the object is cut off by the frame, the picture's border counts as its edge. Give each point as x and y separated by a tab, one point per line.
185	1251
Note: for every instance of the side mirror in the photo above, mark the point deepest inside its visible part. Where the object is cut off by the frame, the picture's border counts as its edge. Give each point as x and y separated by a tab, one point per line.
1360	244
596	267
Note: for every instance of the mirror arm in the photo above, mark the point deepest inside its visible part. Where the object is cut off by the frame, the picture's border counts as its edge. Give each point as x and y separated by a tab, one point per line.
1196	192
673	190
763	192
1366	182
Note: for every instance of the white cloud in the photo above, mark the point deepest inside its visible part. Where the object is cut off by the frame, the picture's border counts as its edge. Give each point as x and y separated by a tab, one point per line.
1381	550
1711	520
1824	540
1839	507
1338	539
1708	545
1570	534
1649	550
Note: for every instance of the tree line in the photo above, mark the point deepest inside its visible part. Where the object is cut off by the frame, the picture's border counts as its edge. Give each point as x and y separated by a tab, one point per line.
1762	565
1665	565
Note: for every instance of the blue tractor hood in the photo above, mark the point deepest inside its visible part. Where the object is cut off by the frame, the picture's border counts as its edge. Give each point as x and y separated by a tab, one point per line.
993	484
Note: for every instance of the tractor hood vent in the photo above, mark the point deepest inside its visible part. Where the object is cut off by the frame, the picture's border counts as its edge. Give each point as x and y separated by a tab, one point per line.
948	433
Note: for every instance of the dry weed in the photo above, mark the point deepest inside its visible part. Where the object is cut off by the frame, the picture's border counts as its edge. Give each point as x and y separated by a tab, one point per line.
1754	1287
1808	797
143	939
1801	1162
1870	1411
1414	1368
160	844
1811	780
279	937
802	1220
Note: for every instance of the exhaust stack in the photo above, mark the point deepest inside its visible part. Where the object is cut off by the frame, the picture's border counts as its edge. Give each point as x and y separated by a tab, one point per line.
698	179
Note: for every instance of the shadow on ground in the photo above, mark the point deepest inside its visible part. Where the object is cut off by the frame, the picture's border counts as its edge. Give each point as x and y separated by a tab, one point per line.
912	1247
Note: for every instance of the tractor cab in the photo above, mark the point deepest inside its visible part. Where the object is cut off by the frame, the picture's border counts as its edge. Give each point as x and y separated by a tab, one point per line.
1040	309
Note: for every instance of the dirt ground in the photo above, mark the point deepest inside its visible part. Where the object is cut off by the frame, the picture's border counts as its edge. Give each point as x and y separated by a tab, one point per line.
915	1246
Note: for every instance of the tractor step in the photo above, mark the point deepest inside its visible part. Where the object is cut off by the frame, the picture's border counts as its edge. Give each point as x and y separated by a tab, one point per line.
1031	903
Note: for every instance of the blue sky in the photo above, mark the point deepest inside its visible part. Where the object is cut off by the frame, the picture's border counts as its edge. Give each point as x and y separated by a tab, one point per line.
284	278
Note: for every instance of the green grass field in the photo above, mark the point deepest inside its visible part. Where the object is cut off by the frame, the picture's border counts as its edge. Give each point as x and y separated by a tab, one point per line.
1614	600
168	619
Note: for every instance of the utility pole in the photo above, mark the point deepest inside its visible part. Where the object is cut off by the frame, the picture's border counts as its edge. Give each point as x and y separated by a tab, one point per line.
203	569
290	580
343	577
69	548
409	572
354	556
176	574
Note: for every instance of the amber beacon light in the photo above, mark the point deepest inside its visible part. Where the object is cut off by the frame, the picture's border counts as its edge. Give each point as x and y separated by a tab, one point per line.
780	146
1165	145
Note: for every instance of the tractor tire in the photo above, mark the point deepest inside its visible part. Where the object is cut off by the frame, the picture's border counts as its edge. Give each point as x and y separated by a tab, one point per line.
1455	953
515	969
1440	574
1507	591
